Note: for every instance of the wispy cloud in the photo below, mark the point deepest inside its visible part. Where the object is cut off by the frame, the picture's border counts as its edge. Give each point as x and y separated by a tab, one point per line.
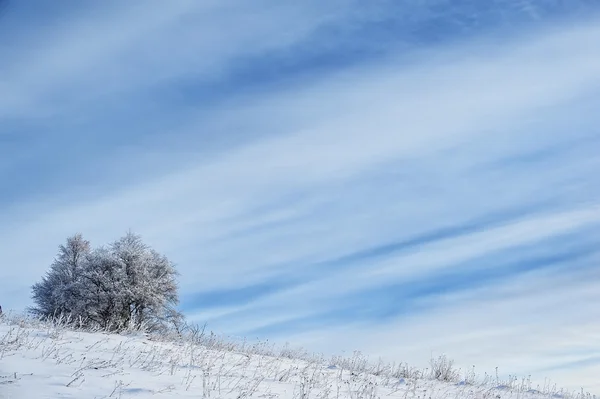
398	179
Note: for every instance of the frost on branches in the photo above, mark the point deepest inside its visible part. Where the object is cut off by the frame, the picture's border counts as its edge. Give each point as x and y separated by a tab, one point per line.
123	285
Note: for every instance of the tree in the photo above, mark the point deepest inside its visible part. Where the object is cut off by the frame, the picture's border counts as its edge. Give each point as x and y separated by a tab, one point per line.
124	284
59	292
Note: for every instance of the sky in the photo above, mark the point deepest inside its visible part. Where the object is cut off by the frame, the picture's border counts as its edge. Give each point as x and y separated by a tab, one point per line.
406	179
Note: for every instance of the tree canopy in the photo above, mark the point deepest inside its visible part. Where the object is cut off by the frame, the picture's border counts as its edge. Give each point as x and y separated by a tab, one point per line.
118	286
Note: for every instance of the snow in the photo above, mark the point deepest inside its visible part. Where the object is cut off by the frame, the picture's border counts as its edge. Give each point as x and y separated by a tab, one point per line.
44	360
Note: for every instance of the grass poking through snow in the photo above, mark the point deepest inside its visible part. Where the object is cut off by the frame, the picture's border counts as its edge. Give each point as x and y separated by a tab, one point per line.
57	358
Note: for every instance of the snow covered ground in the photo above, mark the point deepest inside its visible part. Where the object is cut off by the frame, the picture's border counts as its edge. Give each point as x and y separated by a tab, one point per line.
45	360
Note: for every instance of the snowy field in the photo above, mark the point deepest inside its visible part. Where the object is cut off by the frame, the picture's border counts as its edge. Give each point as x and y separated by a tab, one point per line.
44	360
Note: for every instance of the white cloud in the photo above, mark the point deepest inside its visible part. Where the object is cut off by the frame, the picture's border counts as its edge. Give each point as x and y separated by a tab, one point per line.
419	262
523	327
123	49
404	114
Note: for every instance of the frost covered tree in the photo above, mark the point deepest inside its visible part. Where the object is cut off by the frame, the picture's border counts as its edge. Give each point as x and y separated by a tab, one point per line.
131	283
60	291
125	284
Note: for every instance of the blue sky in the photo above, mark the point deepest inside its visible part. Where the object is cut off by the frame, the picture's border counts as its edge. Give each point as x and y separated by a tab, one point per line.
403	178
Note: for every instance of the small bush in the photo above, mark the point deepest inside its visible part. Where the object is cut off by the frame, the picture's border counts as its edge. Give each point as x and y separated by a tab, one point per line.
442	369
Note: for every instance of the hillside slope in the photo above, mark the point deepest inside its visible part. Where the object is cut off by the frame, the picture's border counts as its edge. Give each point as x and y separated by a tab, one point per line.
45	360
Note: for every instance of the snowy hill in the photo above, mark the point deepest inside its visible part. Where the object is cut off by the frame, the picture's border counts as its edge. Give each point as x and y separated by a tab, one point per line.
46	360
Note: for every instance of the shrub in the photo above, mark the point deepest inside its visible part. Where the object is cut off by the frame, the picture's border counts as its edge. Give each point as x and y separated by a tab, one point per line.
126	284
